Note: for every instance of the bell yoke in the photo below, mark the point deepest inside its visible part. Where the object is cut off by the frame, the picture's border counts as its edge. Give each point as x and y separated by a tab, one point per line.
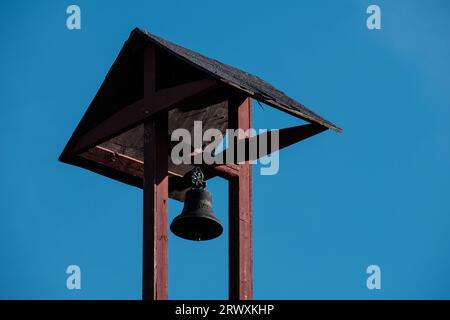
197	220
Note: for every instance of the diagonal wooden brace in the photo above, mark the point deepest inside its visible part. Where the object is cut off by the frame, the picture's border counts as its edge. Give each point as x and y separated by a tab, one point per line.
286	137
152	103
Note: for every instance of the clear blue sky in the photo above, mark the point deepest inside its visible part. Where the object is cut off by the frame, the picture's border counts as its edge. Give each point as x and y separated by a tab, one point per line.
376	194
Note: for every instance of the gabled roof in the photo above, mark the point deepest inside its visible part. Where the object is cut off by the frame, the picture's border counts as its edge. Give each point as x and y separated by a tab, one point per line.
256	87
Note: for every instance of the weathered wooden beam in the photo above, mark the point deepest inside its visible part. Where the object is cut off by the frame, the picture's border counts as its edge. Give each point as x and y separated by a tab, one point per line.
286	138
155	195
179	185
132	169
165	98
155	220
292	135
240	244
223	170
135	113
118	161
117	123
152	103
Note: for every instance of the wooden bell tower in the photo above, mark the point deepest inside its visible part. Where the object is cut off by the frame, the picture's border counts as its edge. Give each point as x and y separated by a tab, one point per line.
153	88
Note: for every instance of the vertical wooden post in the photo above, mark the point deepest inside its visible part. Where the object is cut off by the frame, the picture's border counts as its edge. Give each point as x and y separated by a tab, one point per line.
155	238
240	244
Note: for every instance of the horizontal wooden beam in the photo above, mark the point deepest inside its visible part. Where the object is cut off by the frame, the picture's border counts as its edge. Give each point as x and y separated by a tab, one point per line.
135	167
115	160
226	171
119	162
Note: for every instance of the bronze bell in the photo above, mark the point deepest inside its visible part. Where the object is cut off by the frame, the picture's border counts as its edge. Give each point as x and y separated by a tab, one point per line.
197	220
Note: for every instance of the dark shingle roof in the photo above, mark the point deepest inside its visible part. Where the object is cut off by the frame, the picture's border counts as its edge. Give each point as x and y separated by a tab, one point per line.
253	85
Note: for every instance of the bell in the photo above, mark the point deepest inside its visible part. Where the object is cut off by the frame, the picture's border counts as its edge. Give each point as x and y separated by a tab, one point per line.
197	220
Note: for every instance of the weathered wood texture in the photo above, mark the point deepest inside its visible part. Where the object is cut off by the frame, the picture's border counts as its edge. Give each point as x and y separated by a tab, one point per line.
240	213
156	190
155	220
